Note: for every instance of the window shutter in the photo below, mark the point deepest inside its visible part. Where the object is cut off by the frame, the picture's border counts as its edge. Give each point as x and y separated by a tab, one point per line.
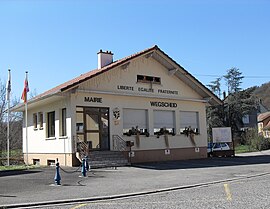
188	119
133	118
163	119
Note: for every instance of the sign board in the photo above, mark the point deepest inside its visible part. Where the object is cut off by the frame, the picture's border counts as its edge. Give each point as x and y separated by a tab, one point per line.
223	134
167	152
131	154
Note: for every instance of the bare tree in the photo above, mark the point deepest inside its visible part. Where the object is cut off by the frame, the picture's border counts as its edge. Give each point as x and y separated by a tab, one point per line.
15	121
2	117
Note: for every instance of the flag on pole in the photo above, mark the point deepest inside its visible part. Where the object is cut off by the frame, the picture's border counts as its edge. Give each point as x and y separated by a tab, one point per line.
24	98
8	86
25	89
8	90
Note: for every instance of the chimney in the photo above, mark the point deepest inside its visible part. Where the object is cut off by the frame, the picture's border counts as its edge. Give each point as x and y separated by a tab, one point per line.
224	95
104	58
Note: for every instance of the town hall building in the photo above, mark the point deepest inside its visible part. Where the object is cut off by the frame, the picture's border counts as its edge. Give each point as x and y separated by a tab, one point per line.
144	106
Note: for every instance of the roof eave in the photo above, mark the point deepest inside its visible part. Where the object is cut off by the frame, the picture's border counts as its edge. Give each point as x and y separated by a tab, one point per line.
20	107
211	97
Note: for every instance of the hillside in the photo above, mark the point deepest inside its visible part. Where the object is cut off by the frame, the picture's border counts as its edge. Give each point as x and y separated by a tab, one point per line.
263	92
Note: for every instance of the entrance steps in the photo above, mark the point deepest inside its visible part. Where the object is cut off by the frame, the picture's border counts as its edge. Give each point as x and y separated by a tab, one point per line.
102	159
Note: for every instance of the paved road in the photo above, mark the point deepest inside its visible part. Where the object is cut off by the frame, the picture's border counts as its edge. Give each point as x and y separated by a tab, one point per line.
241	194
188	177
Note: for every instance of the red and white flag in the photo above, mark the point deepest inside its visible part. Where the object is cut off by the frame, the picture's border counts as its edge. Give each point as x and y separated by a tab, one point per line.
25	89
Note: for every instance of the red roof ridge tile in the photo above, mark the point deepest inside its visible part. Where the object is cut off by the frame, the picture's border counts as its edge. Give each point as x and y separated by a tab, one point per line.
263	116
85	76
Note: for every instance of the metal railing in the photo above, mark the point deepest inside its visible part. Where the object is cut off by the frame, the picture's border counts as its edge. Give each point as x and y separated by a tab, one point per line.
82	148
119	144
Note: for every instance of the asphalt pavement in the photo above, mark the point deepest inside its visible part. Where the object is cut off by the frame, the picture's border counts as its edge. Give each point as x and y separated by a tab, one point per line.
36	186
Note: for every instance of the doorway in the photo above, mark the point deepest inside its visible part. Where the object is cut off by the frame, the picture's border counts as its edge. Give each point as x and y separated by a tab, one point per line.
95	125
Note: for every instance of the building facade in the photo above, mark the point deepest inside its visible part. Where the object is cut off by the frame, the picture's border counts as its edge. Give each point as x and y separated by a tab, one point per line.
264	124
145	105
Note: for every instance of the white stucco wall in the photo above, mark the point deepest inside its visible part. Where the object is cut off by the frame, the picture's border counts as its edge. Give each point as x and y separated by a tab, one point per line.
110	80
152	142
106	86
38	142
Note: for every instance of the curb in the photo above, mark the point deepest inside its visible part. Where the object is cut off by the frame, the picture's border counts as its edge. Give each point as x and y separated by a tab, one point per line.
110	197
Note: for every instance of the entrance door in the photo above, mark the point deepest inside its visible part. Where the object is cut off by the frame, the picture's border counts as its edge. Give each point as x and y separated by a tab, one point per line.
97	128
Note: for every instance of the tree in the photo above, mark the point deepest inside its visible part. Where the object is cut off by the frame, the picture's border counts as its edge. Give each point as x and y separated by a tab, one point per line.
233	80
233	103
215	114
237	105
15	121
215	86
263	93
215	117
2	116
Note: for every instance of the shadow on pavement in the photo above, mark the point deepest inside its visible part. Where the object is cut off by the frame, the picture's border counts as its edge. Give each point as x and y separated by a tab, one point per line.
208	162
7	195
18	172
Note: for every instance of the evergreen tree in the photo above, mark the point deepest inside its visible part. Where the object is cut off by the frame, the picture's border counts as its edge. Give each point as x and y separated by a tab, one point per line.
215	117
215	86
236	105
233	80
215	114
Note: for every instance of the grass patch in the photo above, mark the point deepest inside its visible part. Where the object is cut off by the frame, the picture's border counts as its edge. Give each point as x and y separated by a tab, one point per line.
12	153
15	160
17	167
244	148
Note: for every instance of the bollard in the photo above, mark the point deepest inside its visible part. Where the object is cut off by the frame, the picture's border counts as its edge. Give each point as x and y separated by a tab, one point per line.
87	166
57	177
83	167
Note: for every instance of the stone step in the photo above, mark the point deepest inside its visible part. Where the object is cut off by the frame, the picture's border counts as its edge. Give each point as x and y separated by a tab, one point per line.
103	165
122	162
101	159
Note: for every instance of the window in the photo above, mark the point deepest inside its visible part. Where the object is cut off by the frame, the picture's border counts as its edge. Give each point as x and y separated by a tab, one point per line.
63	122
148	79
245	119
51	124
164	122
79	120
35	120
40	118
134	120
50	162
189	119
36	161
80	124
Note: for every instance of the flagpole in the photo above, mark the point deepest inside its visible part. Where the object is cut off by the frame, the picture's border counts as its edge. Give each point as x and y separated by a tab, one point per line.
8	111
8	132
26	125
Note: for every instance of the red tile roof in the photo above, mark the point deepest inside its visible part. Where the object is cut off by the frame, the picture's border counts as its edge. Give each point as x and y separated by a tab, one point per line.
86	76
263	116
267	127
